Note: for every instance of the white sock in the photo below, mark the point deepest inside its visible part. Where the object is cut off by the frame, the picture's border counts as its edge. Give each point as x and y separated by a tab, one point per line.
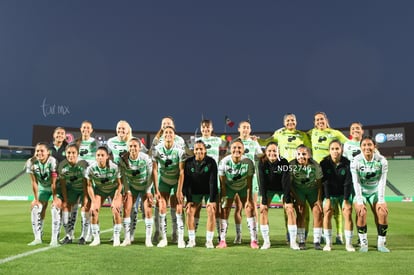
65	222
363	239
86	224
264	228
381	241
180	227
301	234
117	232
163	226
55	222
327	233
72	220
148	228
223	230
349	234
37	221
95	231
317	234
251	222
127	228
191	235
209	236
293	232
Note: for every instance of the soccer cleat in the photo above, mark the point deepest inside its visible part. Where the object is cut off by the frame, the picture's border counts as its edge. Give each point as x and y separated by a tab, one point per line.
363	248
88	238
327	248
294	246
266	245
148	243
191	244
181	244
238	239
254	244
162	243
66	240
82	241
302	246
95	242
209	244
383	249
54	243
317	246
349	248
35	242
339	240
222	244
126	242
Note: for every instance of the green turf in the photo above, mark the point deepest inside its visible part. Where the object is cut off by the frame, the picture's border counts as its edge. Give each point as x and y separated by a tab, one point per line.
15	233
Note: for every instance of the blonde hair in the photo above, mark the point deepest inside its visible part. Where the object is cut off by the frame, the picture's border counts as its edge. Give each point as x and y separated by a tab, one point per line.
129	134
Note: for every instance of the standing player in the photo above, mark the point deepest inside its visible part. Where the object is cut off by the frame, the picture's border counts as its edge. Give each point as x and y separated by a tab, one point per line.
168	176
274	178
73	185
369	174
42	168
58	145
352	147
200	182
213	150
252	150
236	176
104	181
306	176
118	144
136	171
337	183
321	135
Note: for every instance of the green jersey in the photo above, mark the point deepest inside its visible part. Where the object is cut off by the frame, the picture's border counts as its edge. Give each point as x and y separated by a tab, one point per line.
212	146
117	147
137	173
305	177
351	149
168	161
369	177
103	179
73	175
288	141
87	150
320	140
42	172
236	173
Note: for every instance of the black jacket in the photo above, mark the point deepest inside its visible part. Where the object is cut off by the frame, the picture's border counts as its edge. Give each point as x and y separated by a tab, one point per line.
337	179
274	177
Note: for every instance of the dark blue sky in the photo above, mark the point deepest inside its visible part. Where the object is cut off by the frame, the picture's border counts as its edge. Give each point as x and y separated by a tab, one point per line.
141	60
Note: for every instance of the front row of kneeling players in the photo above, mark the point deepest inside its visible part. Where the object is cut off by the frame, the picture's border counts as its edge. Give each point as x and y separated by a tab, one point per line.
168	172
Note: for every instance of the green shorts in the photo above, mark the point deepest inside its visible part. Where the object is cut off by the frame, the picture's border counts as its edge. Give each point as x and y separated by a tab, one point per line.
198	198
337	201
270	195
309	195
74	195
166	188
104	194
46	195
230	193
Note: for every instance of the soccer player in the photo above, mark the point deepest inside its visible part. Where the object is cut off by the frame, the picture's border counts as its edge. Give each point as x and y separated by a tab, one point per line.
104	181
73	185
252	150
306	177
168	175
274	178
369	174
86	143
352	147
42	169
337	183
288	138
213	150
200	182
321	135
136	171
58	145
118	144
236	175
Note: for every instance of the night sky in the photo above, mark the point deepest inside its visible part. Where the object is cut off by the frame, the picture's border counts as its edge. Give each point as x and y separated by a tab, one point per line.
62	62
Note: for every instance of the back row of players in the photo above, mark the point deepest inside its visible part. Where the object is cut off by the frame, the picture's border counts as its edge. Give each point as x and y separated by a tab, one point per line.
321	168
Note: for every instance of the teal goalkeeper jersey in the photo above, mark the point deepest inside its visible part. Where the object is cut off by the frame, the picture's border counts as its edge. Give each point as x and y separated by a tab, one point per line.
73	175
320	140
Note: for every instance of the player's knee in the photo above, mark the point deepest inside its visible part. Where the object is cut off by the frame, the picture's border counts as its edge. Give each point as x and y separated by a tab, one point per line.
382	212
